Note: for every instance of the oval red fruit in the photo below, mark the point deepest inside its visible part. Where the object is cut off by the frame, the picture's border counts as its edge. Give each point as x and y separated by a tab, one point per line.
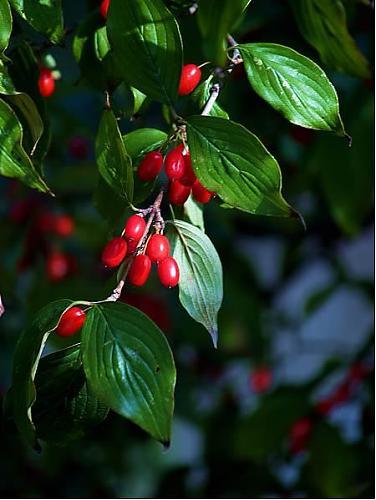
140	270
71	321
150	166
57	266
63	225
134	227
132	247
104	8
168	272
114	252
46	82
189	176
174	163
300	433
158	248
189	79
178	193
200	193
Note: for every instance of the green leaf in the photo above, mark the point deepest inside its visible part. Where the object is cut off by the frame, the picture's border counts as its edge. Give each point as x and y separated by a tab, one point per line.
45	16
112	212
202	93
323	25
201	282
217	18
65	407
129	366
194	213
5	25
147	47
114	163
14	162
232	162
26	359
293	84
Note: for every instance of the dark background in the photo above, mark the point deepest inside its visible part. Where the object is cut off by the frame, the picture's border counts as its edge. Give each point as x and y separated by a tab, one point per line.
298	303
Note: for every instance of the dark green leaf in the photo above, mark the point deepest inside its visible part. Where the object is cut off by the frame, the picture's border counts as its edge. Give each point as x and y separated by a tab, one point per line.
129	366
202	93
113	212
114	163
217	18
147	47
14	162
45	16
28	352
5	25
232	162
201	282
65	407
293	84
323	24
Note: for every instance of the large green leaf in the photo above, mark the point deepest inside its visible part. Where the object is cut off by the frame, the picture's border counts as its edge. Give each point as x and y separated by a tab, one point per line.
293	84
129	366
201	282
45	16
114	163
26	358
323	24
217	18
147	47
231	161
5	25
65	407
14	162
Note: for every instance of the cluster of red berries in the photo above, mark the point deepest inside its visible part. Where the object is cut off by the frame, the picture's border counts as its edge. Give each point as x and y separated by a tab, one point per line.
157	251
178	169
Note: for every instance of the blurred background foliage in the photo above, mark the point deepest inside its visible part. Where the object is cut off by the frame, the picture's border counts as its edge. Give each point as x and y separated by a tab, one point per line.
284	407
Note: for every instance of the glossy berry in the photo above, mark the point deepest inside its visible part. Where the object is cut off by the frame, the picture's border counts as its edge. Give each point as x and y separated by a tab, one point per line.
200	193
158	248
174	163
57	266
150	166
189	79
134	228
189	176
104	8
114	252
63	225
140	270
71	321
46	82
178	193
168	272
261	379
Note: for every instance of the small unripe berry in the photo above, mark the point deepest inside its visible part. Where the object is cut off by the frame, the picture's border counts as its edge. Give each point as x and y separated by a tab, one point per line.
150	166
134	227
57	266
158	248
63	225
189	79
168	272
189	176
114	252
178	193
261	379
200	193
104	8
46	82
140	270
174	163
71	321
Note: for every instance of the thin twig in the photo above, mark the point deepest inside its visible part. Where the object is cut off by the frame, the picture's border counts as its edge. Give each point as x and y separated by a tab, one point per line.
214	93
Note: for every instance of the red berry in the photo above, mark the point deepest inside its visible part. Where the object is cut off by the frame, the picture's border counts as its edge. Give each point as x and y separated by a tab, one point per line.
158	248
168	272
189	79
114	252
134	228
140	270
132	245
57	266
174	163
200	193
63	225
299	434
71	321
104	8
261	379
150	166
46	82
189	176
178	193
78	147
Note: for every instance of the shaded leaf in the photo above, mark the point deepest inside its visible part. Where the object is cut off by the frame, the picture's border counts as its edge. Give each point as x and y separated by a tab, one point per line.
5	25
194	213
